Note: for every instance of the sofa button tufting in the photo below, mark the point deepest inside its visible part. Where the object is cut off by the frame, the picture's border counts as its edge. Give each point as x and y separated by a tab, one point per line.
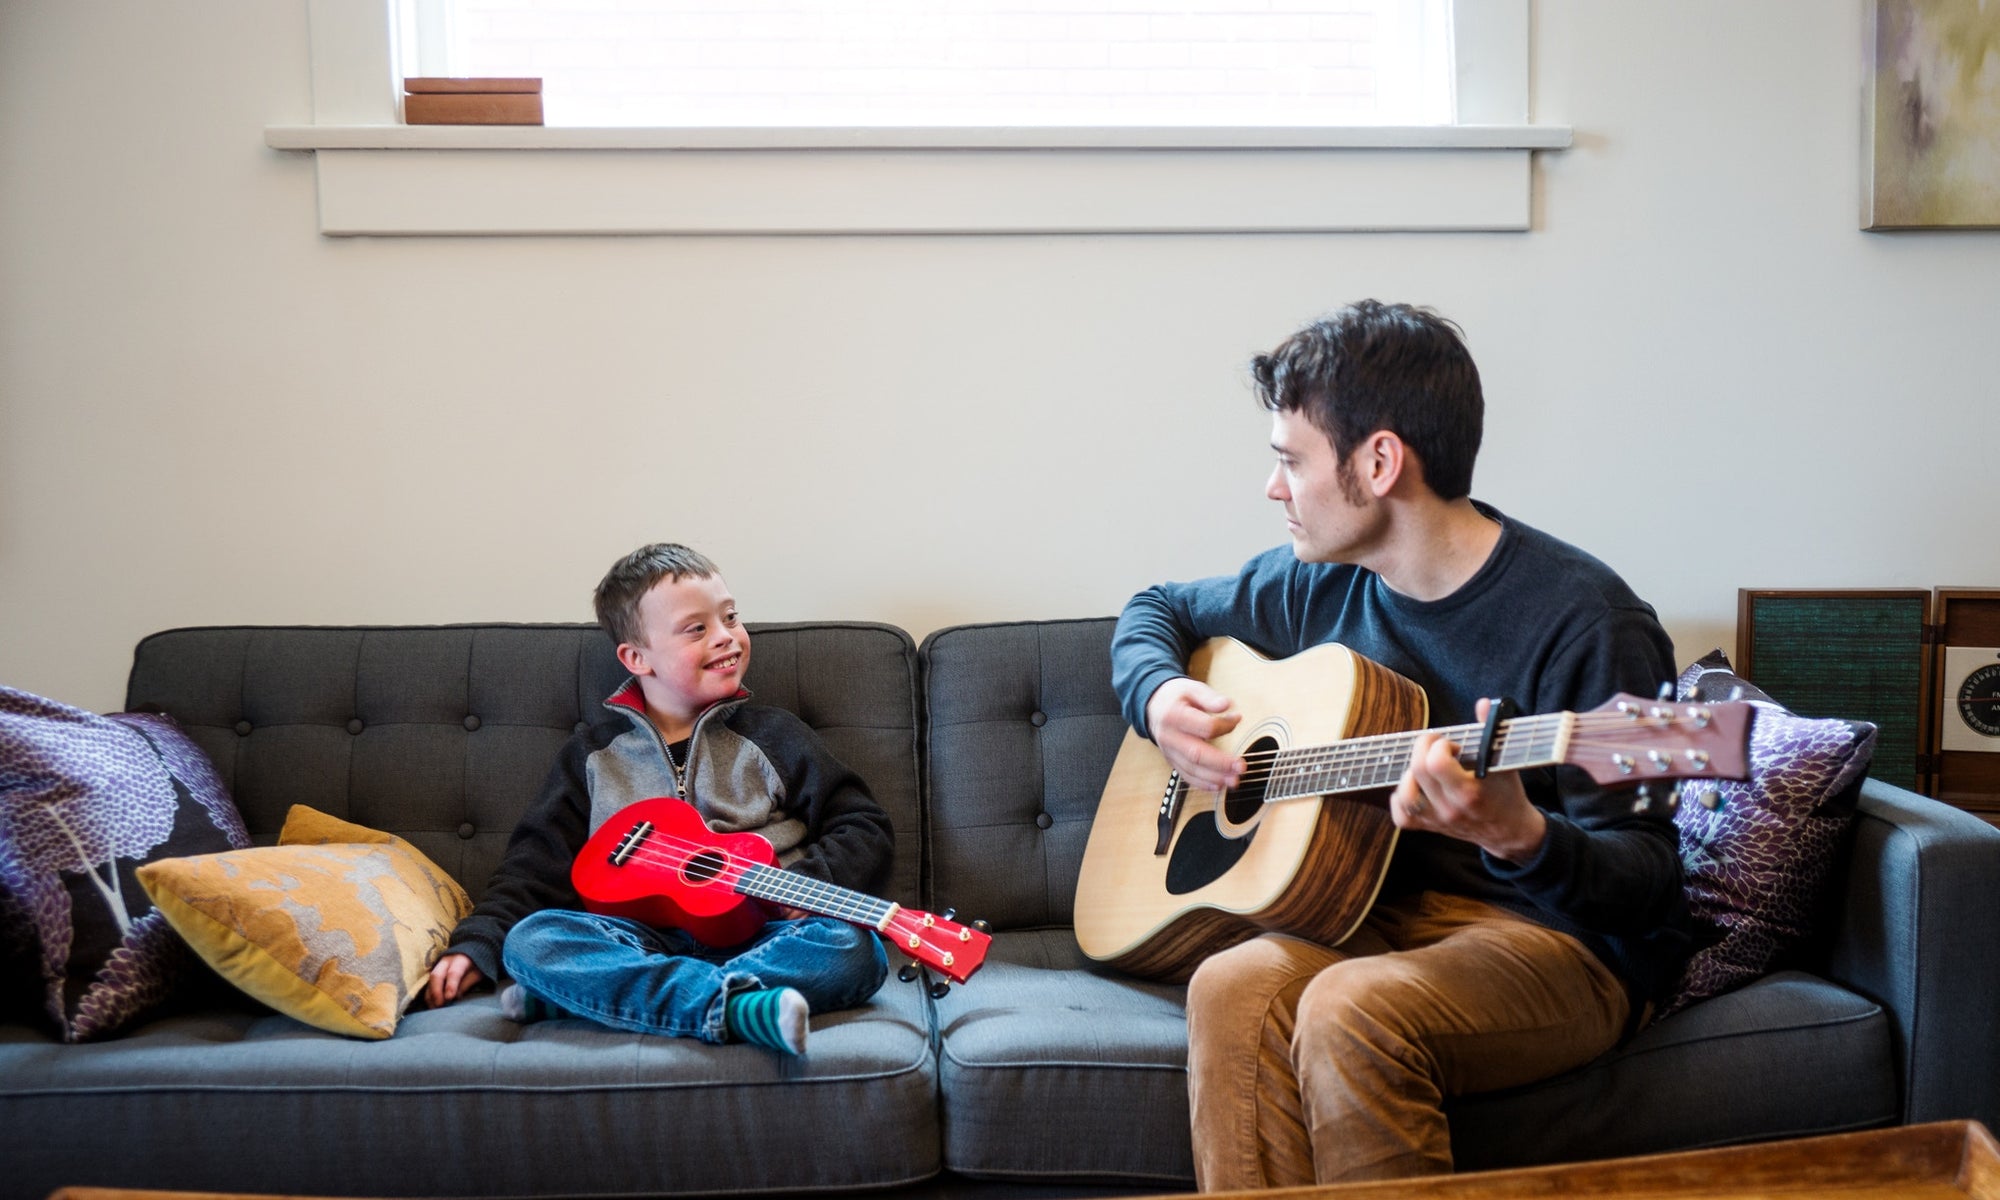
465	829
471	723
354	725
1043	820
1038	719
243	729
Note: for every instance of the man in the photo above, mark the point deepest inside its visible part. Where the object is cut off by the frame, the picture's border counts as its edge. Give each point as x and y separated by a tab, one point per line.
1528	919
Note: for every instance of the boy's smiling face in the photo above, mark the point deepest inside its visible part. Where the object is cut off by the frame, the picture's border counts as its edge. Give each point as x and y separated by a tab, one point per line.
695	650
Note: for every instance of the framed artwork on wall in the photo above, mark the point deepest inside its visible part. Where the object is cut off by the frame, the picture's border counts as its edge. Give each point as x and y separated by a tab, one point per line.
1930	149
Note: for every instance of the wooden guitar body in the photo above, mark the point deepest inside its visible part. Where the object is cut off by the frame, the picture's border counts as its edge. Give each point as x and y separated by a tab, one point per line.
1233	865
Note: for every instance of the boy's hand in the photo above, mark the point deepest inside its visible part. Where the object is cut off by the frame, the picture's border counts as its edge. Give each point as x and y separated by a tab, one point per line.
452	977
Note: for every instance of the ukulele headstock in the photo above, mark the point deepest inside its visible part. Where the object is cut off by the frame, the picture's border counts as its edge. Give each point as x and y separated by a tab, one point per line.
944	945
1631	740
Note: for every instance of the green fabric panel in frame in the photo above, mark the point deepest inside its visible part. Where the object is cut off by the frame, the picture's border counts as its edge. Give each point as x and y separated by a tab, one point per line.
1859	657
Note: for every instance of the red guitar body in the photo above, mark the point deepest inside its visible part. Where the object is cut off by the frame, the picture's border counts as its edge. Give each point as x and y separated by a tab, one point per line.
692	890
656	861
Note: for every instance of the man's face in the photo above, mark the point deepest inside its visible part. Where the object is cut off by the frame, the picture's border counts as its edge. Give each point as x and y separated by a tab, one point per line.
693	643
1331	517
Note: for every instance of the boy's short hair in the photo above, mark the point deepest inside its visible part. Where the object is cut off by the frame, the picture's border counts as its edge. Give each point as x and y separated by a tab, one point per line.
631	577
1376	366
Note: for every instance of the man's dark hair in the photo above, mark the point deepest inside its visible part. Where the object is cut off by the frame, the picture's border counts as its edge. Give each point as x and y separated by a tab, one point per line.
1376	366
631	577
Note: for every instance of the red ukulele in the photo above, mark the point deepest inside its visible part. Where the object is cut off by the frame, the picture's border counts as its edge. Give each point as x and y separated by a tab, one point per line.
657	862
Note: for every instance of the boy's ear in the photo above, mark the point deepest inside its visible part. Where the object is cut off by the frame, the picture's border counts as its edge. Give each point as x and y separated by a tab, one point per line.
632	660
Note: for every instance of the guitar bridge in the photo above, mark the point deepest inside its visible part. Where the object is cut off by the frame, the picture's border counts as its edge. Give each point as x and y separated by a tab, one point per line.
1170	811
629	844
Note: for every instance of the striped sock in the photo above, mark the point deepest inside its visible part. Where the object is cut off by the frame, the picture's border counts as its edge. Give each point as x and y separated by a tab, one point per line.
774	1018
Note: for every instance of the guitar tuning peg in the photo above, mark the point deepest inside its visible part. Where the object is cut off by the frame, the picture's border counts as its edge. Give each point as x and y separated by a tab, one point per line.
939	989
1674	798
908	971
950	914
1643	802
1666	691
983	925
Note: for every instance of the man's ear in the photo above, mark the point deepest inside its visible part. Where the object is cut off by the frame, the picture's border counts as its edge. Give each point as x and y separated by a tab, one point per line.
1384	461
632	660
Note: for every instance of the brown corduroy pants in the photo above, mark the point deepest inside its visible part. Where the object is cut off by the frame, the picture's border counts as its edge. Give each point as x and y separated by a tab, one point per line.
1309	1064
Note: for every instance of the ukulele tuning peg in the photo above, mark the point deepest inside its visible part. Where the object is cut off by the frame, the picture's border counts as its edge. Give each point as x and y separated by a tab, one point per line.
1643	802
950	914
1666	691
939	989
907	972
983	925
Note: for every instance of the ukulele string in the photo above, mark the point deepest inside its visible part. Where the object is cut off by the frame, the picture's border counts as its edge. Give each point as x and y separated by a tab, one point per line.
676	853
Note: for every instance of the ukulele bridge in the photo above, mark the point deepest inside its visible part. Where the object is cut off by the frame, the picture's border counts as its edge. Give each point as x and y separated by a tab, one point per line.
629	844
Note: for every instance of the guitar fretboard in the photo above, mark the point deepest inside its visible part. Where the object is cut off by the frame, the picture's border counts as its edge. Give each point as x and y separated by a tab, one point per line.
1367	763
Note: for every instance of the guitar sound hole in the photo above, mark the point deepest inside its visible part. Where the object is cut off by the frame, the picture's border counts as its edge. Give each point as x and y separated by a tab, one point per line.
1247	798
705	867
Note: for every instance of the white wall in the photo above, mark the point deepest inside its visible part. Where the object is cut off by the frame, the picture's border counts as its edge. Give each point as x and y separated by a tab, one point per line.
1696	366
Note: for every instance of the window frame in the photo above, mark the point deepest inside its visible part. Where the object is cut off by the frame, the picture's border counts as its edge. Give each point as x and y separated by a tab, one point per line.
376	176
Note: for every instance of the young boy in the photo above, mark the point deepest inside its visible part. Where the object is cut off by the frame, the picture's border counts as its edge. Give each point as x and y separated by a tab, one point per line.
682	726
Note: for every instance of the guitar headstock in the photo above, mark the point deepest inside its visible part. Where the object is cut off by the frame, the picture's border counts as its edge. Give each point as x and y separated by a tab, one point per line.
1631	740
944	945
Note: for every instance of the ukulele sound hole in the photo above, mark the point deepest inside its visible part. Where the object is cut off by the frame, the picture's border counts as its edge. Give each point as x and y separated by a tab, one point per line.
705	867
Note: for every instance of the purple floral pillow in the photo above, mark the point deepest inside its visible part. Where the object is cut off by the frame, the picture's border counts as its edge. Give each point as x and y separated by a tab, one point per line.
85	799
1757	852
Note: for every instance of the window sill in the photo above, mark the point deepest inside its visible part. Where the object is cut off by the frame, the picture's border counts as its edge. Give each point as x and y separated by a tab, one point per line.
528	180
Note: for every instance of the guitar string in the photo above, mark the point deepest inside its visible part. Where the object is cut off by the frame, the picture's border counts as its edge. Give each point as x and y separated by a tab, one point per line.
1365	757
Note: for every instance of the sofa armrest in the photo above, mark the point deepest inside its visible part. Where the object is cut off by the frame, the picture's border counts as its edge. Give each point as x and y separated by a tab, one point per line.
1917	928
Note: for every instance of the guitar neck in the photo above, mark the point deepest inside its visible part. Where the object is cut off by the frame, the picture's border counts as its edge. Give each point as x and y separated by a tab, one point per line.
1370	763
813	895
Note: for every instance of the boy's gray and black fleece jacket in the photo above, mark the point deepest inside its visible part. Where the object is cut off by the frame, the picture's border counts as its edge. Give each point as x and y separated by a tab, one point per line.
750	769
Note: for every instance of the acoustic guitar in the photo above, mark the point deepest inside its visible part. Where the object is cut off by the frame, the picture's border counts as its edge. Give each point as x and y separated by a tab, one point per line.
1172	873
658	862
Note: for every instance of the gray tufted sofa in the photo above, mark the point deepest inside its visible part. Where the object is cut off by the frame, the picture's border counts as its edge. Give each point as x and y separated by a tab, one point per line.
1042	1076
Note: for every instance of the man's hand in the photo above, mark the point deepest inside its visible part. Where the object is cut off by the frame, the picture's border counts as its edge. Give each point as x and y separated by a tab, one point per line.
1183	715
1440	795
452	977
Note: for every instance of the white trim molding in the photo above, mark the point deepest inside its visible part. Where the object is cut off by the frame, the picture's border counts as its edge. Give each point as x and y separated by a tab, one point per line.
377	176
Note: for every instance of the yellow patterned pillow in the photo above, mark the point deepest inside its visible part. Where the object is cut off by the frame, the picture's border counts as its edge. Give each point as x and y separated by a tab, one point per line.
336	925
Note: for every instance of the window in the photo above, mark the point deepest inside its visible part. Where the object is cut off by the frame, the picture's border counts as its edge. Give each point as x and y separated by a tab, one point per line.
931	62
377	176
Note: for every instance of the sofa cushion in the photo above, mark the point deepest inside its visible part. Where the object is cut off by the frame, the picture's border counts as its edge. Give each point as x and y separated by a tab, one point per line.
337	925
84	800
1021	730
1052	1068
1757	852
442	735
464	1102
1786	1056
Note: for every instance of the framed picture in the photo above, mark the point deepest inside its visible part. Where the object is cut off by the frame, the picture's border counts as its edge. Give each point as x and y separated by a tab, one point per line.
1931	116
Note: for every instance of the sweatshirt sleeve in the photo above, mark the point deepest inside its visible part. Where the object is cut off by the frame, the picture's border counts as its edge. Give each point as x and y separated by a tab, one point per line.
535	871
1603	866
1161	626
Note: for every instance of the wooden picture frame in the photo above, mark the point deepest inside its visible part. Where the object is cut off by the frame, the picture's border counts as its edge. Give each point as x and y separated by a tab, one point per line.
1966	757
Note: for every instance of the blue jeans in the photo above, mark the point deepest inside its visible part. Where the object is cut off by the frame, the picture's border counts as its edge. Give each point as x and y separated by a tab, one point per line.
631	976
